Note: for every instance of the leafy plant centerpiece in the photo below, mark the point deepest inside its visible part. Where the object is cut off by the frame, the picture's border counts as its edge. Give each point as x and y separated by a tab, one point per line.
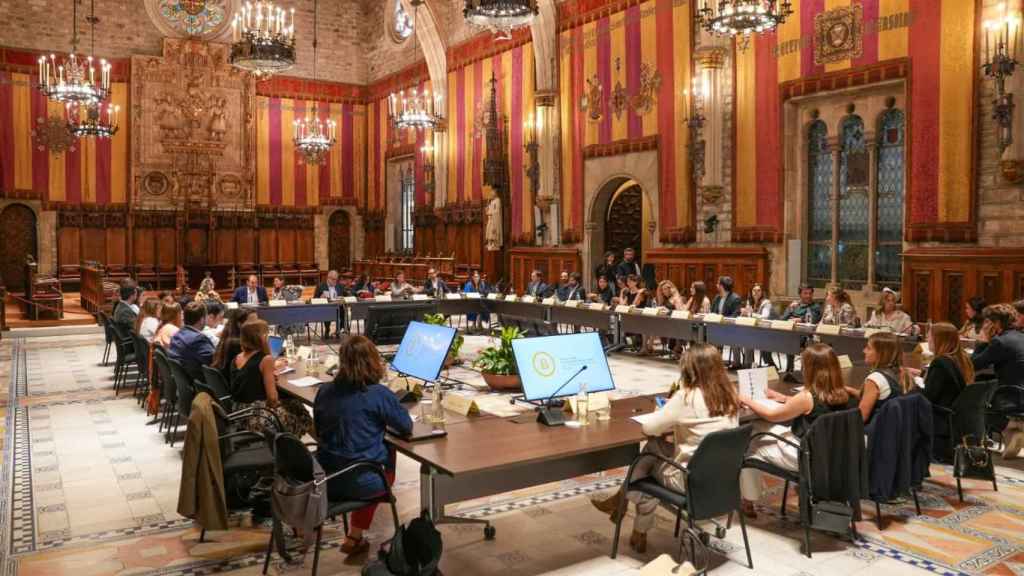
497	364
453	353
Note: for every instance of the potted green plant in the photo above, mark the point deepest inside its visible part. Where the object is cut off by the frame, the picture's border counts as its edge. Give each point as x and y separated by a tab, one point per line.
497	364
453	353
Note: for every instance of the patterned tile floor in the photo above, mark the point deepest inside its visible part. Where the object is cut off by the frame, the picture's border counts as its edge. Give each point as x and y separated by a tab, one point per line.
90	489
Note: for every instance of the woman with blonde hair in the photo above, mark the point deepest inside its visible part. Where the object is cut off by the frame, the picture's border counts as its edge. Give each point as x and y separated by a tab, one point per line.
207	291
668	296
889	315
170	323
706	402
823	393
887	379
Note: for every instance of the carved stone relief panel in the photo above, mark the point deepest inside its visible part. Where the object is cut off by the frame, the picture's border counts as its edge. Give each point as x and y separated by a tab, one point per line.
193	129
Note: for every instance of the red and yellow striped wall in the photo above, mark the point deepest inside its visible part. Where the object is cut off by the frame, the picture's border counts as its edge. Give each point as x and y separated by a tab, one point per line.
95	172
282	180
469	93
613	49
936	37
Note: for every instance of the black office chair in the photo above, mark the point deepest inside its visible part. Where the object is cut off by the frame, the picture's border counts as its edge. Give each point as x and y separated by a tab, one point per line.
804	477
185	391
168	390
712	480
293	462
968	434
108	334
217	386
143	379
124	347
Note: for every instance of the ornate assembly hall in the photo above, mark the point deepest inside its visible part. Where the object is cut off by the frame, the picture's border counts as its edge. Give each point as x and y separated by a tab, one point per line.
328	286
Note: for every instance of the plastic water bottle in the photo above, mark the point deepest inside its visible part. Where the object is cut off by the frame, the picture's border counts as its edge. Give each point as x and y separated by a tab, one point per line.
582	404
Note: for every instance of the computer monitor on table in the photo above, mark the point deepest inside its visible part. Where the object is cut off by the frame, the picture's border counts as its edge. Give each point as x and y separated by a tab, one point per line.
386	323
546	363
423	350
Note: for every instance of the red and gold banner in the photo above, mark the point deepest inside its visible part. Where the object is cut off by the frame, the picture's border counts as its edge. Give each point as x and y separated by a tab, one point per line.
936	38
283	180
94	171
631	68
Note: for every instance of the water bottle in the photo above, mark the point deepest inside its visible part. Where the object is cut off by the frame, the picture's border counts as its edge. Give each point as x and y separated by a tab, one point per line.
437	407
808	317
582	404
289	344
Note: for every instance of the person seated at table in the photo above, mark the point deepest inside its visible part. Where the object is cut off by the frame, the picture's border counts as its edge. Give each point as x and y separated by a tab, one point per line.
629	265
889	316
973	318
277	290
573	289
698	302
230	345
805	309
537	287
727	303
823	393
363	287
189	346
999	346
207	291
251	293
330	288
148	321
563	283
948	374
839	310
165	296
253	384
706	402
435	286
667	296
887	379
476	285
757	305
126	309
351	415
214	322
400	289
634	294
607	269
170	323
604	292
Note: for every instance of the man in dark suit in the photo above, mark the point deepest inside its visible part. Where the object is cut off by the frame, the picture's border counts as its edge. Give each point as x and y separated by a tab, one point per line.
727	303
537	287
999	346
251	293
629	265
189	345
125	309
331	290
435	286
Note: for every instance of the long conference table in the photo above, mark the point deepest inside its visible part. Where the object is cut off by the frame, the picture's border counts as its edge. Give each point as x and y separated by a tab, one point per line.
767	336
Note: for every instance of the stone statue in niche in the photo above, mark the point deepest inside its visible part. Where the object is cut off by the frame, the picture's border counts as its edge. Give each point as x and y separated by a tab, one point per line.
493	231
218	125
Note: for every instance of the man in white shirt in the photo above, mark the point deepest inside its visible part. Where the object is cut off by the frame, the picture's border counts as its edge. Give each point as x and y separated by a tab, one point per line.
214	322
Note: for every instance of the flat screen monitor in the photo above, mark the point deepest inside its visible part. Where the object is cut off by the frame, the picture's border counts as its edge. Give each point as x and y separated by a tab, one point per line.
423	350
548	362
386	323
276	345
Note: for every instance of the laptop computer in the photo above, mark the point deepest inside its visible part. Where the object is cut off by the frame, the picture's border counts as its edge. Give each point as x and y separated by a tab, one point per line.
420	431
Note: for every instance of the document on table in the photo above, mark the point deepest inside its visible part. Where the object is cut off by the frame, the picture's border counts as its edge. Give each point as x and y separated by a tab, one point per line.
306	382
753	383
643	419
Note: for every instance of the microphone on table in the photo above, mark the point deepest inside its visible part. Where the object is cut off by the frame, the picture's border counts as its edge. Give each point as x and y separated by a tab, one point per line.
549	415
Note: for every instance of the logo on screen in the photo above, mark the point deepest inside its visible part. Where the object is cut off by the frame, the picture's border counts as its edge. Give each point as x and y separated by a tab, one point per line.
544	364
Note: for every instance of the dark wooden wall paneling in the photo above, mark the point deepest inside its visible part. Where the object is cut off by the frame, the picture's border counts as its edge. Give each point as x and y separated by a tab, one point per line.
549	260
937	281
684	266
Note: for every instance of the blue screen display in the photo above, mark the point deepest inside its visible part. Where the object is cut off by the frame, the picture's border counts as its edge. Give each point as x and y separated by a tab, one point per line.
548	362
423	350
276	345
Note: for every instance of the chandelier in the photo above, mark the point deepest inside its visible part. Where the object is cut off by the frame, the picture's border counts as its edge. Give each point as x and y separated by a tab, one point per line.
314	137
73	79
501	16
263	39
742	17
414	109
94	123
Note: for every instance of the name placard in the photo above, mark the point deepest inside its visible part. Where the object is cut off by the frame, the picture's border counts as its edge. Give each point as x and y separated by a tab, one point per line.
787	325
596	306
623	309
350	299
231	305
277	303
472	295
681	314
318	301
746	321
548	301
869	332
492	296
845	362
651	311
596	401
572	304
382	298
529	299
420	297
453	296
402	388
512	298
832	329
713	318
460	404
773	374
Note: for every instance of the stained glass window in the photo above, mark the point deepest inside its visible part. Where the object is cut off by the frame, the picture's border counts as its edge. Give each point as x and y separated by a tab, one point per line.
401	26
853	251
408	203
819	205
888	269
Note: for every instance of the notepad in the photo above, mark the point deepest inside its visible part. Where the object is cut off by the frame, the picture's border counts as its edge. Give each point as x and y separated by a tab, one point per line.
453	296
753	383
572	304
548	301
383	298
306	382
350	299
529	299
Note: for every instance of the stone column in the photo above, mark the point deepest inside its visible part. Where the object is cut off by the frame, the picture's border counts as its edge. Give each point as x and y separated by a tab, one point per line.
547	196
710	85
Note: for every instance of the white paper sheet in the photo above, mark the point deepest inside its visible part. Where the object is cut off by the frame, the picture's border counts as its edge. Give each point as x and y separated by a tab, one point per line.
306	382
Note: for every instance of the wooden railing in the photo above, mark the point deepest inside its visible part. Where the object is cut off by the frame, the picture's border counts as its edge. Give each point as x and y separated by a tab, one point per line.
92	292
414	267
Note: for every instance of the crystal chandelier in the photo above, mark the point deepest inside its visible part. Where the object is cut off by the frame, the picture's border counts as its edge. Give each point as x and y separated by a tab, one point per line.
96	122
263	40
742	17
414	109
314	137
73	79
501	16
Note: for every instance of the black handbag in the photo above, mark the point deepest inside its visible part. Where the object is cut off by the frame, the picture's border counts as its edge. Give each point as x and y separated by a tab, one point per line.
414	551
831	516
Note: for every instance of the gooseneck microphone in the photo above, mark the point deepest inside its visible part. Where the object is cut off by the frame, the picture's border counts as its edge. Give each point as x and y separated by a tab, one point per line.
551	416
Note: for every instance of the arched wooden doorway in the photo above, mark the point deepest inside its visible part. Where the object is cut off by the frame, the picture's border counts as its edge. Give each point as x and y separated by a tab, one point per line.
623	222
17	240
340	240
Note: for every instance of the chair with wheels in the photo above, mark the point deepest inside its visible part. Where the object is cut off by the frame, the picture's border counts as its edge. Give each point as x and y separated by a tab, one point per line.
712	480
293	463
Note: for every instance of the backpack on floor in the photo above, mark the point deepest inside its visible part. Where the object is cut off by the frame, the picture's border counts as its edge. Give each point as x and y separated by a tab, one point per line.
414	551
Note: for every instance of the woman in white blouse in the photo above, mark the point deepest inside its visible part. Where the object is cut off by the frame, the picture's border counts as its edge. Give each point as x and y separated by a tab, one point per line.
758	305
706	402
149	319
890	316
